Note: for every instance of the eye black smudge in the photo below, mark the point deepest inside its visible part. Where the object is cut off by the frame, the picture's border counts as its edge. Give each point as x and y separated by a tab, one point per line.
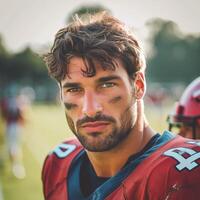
70	106
115	99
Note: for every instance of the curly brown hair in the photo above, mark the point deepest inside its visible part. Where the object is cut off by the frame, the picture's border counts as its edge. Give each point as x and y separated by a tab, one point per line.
102	38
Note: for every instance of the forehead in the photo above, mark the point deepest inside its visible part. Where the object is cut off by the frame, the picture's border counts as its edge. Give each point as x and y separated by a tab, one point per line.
76	67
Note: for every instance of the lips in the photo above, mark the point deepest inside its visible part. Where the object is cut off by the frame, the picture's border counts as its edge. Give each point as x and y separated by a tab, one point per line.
95	126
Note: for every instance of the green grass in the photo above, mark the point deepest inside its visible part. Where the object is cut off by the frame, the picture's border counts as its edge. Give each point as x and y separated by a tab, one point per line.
26	189
45	128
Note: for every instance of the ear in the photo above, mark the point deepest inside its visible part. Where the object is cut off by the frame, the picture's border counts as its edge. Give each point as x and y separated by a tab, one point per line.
139	85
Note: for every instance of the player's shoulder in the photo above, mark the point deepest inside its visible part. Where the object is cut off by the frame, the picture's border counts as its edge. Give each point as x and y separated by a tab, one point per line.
61	156
180	145
175	166
180	152
59	160
65	150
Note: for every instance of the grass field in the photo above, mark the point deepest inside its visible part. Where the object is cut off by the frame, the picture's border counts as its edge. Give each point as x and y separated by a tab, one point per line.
46	127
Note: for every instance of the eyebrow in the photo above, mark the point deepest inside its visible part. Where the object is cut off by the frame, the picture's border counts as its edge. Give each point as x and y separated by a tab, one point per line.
70	85
108	78
100	80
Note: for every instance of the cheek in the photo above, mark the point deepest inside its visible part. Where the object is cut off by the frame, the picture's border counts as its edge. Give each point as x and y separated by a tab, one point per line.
118	105
122	95
115	106
72	114
121	99
70	106
114	100
71	122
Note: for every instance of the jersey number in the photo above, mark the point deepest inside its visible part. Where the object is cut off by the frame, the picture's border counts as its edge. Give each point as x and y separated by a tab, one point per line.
64	150
189	162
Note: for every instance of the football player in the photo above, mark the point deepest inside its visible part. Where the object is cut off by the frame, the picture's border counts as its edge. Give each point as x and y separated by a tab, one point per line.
99	66
186	116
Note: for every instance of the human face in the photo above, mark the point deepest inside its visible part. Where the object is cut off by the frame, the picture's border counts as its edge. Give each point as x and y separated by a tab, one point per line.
100	110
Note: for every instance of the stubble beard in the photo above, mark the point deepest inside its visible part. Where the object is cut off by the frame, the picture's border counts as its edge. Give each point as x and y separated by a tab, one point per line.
100	142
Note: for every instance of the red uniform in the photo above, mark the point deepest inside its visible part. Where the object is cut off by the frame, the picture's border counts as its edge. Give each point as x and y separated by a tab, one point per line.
169	170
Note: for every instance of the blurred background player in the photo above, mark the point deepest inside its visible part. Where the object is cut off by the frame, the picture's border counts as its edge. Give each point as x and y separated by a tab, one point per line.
185	119
12	114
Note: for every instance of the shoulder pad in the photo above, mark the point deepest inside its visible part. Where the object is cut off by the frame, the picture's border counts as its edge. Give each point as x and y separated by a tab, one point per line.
57	164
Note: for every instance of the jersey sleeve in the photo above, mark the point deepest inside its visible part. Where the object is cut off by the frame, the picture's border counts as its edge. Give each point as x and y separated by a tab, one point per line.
55	169
172	172
176	175
184	192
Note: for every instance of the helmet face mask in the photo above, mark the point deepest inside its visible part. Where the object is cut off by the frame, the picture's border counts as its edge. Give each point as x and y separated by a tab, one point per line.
186	115
180	119
176	124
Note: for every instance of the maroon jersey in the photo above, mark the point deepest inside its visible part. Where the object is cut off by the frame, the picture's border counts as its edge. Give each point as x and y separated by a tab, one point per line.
170	173
55	170
169	170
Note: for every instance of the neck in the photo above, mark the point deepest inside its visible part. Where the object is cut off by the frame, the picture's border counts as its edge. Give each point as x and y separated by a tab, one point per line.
109	163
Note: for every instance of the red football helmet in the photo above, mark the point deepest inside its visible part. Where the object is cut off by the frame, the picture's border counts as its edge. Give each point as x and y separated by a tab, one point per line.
187	110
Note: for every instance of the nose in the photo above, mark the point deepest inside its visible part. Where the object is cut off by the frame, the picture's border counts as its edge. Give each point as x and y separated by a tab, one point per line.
91	104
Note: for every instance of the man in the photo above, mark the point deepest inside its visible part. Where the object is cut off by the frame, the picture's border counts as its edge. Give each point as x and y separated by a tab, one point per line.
12	114
186	116
100	68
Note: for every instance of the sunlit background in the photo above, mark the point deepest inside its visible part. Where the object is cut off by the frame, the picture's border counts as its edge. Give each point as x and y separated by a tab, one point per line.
170	35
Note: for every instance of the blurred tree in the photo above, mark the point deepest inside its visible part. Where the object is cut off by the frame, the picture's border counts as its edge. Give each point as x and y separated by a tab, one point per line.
3	51
175	56
86	9
26	65
25	68
4	58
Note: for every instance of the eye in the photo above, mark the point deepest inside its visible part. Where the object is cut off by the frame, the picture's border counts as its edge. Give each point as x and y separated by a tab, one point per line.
74	90
107	84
